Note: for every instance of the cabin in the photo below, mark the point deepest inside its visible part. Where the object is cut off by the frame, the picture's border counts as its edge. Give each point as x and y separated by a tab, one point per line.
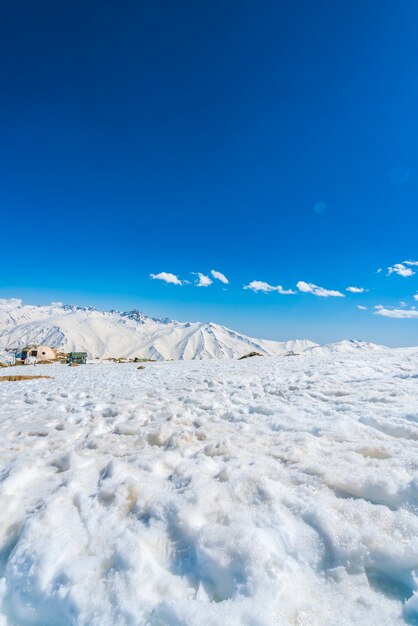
77	357
40	353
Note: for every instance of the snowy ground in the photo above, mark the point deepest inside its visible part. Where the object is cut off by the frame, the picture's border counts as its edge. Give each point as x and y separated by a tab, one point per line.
270	491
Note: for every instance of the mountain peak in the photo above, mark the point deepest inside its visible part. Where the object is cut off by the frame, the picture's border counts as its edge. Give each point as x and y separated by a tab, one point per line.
127	334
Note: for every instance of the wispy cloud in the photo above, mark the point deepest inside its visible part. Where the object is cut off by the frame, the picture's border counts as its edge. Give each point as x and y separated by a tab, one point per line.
204	281
398	313
416	296
166	277
259	285
361	307
220	276
356	289
318	291
403	269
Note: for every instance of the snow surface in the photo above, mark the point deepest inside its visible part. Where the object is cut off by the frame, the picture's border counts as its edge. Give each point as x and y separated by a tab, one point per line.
104	334
271	491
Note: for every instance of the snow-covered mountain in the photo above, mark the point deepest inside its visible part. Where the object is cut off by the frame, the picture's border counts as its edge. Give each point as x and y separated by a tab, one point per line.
344	346
105	334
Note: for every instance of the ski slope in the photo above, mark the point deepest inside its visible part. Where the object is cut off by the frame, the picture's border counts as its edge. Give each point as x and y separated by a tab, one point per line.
270	491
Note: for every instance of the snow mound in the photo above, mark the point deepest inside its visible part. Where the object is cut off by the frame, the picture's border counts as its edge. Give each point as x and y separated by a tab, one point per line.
104	334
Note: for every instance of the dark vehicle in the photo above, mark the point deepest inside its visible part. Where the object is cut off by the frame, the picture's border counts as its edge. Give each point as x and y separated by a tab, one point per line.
77	357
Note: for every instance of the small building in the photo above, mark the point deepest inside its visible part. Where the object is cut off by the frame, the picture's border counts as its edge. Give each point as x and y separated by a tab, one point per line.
7	357
77	357
40	353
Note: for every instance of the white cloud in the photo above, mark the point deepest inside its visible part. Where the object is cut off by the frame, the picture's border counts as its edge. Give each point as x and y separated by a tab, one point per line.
57	304
401	269
416	296
318	291
361	307
356	289
259	285
399	313
204	281
166	277
219	276
413	263
379	270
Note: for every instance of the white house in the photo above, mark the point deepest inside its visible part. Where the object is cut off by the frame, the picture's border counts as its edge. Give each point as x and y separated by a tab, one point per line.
39	353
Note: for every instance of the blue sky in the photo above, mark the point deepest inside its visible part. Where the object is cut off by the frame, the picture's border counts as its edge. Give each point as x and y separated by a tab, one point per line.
271	141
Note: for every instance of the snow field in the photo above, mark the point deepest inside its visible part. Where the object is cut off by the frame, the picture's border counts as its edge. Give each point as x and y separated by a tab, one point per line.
271	491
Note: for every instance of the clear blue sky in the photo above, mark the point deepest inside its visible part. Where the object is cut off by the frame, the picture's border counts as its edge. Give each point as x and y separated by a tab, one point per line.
147	137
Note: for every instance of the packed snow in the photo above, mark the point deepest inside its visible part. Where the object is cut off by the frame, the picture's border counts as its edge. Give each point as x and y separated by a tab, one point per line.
104	334
270	491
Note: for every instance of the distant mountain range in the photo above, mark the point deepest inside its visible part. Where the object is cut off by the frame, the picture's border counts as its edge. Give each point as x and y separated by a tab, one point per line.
131	334
341	347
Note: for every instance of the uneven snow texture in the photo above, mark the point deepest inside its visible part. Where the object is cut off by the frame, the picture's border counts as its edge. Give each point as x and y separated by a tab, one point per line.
104	334
270	491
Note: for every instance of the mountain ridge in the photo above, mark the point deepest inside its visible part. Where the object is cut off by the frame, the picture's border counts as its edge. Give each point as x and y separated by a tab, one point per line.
130	334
